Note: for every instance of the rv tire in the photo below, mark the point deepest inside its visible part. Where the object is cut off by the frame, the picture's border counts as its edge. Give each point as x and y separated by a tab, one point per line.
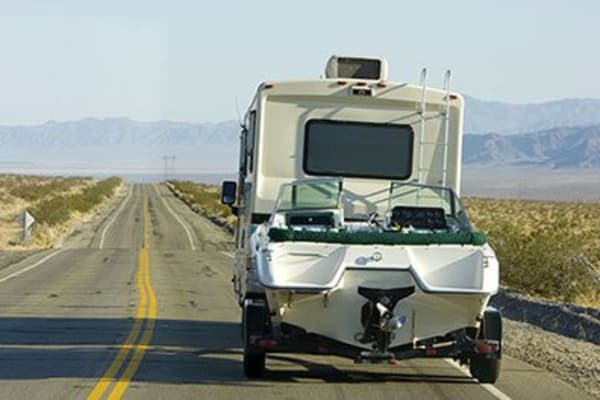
253	324
254	363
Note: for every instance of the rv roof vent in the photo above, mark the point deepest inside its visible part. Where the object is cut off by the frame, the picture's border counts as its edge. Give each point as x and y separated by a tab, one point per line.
356	68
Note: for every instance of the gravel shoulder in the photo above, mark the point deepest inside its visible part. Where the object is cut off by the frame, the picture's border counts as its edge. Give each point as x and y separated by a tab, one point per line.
85	233
574	361
559	337
81	235
8	258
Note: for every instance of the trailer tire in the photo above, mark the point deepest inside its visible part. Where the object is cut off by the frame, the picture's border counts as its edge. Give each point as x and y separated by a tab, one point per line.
486	368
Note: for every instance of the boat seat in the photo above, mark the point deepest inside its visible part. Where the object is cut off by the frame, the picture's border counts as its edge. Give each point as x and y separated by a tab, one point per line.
308	218
419	217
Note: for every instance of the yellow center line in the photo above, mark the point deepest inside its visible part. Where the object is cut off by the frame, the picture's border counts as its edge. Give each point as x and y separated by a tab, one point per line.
146	310
141	347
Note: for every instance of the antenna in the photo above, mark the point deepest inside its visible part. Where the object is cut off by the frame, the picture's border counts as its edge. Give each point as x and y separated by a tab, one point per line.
239	114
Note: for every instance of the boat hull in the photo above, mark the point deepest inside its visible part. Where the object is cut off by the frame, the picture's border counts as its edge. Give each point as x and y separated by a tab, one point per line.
314	286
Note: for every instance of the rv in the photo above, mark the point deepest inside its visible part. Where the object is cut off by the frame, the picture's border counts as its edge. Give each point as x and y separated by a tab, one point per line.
351	238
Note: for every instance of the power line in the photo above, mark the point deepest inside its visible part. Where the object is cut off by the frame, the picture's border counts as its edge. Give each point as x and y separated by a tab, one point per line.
169	166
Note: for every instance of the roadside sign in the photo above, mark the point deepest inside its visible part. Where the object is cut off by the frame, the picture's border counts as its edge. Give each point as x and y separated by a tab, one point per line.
26	221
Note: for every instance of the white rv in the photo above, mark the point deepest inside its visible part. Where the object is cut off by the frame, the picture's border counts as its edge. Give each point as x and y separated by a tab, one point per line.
351	239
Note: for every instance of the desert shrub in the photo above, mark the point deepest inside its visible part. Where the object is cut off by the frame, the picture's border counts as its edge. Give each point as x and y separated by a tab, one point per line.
58	209
52	212
548	249
207	197
34	189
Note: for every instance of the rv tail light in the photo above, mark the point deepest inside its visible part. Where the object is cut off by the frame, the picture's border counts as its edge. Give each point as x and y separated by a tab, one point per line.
381	84
341	83
267	343
322	350
485	348
268	86
453	97
430	351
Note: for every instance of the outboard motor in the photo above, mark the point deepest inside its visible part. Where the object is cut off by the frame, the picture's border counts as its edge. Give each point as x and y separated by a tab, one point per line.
378	319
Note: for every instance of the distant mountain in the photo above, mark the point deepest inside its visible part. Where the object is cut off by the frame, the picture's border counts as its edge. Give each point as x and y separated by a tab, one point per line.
504	118
119	145
562	147
566	134
481	117
119	132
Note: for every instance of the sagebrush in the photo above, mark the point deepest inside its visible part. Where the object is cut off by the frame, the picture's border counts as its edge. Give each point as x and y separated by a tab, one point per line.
58	209
549	249
207	197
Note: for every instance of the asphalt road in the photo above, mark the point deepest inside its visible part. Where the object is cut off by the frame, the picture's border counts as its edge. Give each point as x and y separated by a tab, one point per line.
144	310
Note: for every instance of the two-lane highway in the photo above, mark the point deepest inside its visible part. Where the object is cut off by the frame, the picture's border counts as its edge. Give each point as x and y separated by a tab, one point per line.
146	312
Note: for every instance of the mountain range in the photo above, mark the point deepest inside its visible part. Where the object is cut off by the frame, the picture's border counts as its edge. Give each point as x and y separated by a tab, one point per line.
563	147
558	134
119	145
483	117
120	132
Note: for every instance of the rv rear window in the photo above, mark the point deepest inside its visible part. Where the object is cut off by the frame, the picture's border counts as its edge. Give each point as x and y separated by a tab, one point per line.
357	149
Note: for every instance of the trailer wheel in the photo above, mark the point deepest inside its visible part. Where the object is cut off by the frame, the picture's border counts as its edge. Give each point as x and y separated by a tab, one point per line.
254	316
486	368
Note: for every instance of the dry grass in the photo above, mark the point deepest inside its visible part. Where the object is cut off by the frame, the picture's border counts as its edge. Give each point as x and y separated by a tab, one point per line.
547	249
22	192
207	197
57	204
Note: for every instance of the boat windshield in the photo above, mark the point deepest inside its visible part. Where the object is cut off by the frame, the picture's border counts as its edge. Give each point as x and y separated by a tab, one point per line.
310	195
412	197
410	206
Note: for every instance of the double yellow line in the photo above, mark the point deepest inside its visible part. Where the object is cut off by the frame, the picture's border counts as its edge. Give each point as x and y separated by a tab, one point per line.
146	312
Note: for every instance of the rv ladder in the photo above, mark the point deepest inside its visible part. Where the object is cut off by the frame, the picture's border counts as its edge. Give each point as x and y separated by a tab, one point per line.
445	114
447	78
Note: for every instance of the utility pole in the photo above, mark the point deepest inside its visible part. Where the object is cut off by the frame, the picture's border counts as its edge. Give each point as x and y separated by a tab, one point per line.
166	169
169	166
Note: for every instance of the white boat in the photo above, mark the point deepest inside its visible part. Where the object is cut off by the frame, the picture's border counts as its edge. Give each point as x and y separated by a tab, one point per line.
351	238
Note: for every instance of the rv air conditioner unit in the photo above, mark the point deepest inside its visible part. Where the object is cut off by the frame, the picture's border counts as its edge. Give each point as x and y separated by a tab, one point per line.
356	68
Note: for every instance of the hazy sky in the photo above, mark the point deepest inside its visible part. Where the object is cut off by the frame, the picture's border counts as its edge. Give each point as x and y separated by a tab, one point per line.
190	60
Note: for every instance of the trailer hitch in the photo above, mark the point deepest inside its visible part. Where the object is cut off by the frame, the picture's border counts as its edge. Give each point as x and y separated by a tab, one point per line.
378	319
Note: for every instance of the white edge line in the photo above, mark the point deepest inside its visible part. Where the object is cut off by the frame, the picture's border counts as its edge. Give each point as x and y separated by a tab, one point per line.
107	226
487	386
189	234
228	254
37	264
